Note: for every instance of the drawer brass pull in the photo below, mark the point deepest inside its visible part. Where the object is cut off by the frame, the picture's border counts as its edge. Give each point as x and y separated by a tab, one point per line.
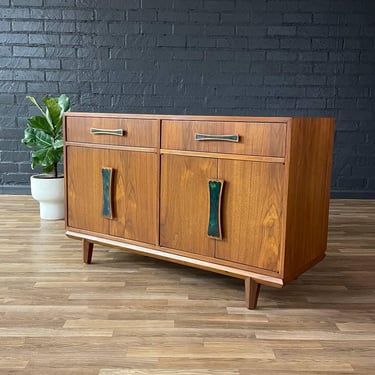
119	132
210	137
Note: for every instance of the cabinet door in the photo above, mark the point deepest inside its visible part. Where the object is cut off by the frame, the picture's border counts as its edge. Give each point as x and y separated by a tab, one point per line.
184	203
251	213
84	188
135	188
130	198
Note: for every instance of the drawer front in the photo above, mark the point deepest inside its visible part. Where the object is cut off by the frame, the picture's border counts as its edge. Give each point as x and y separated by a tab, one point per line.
113	131
247	138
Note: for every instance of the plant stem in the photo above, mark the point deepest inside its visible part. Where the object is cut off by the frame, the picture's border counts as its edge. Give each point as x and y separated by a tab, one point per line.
55	169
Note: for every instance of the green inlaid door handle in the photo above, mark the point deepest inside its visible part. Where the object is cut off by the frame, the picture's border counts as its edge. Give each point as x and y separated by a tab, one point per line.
107	178
215	189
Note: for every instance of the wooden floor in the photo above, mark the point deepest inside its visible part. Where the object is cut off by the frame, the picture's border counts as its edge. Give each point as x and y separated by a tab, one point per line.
127	314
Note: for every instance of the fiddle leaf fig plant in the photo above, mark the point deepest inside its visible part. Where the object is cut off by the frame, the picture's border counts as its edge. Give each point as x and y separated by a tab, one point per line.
44	133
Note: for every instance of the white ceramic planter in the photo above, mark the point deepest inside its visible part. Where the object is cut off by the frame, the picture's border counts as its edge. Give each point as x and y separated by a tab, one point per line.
49	192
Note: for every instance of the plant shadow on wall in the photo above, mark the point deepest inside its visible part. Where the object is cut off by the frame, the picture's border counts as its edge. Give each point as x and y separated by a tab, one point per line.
44	135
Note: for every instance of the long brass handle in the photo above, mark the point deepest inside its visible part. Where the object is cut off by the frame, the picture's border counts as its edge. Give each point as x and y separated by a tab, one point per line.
118	132
212	137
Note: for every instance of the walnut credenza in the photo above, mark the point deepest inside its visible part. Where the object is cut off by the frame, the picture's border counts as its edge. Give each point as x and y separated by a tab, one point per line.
242	196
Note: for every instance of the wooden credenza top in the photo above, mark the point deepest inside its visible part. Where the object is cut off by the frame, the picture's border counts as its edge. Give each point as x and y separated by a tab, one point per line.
188	117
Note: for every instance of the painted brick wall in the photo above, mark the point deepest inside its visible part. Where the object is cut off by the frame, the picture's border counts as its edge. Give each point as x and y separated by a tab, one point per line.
230	57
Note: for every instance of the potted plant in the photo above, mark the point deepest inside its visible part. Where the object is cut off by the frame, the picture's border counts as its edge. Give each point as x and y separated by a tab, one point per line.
44	135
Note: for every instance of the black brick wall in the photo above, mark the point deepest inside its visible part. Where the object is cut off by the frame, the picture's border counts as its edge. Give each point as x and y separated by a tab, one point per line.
230	57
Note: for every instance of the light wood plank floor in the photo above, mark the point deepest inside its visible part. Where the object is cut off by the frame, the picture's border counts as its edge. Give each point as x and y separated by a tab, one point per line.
127	314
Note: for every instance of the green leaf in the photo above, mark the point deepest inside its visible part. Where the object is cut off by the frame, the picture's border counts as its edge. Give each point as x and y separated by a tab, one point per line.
58	144
39	122
33	100
64	103
46	157
53	111
49	169
29	138
37	138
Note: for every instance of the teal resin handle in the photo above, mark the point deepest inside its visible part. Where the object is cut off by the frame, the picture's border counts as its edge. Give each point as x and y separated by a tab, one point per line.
214	221
107	178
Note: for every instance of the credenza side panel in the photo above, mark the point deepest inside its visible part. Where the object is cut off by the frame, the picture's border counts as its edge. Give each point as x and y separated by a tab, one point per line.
310	163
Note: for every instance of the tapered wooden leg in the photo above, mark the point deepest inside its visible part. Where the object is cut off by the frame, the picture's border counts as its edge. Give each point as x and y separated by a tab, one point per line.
252	292
87	248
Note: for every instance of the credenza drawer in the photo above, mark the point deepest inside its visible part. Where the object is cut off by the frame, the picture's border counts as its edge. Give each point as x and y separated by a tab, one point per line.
247	138
113	131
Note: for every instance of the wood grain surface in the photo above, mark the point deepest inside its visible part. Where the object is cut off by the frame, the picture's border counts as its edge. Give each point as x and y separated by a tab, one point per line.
126	314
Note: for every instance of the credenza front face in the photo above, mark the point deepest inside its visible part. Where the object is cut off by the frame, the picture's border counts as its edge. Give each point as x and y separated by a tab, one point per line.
230	195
